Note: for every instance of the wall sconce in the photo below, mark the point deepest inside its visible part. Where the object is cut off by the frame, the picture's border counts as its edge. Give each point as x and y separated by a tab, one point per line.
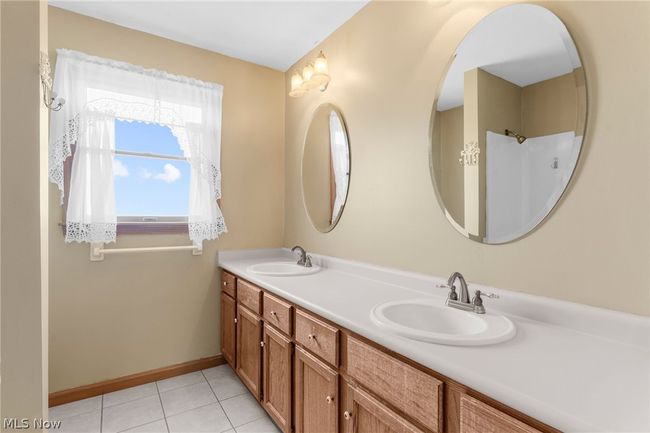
314	75
470	154
50	98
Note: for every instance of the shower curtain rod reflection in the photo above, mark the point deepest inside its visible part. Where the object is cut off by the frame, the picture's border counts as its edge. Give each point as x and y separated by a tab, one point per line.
520	138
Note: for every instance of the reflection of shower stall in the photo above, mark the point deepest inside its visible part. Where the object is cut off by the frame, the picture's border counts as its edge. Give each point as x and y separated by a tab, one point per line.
525	180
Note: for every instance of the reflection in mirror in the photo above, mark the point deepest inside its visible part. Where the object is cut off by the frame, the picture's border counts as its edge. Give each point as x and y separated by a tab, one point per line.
508	124
326	167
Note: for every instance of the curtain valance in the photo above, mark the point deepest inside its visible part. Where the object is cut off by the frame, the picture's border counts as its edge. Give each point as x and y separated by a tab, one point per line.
99	91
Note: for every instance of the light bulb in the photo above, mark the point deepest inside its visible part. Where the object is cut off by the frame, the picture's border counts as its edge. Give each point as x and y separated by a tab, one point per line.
307	75
320	64
297	88
321	72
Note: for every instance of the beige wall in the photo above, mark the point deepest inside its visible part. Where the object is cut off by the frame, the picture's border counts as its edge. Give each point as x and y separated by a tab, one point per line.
553	106
23	215
449	172
133	313
386	64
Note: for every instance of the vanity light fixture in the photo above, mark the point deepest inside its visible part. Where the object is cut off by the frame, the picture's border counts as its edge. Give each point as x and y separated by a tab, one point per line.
314	75
470	154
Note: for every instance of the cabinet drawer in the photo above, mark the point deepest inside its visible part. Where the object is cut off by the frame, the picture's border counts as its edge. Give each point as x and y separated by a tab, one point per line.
228	283
405	387
318	337
478	417
249	296
277	313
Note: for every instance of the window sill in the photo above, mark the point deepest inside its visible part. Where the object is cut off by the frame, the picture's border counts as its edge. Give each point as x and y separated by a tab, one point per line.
146	228
151	228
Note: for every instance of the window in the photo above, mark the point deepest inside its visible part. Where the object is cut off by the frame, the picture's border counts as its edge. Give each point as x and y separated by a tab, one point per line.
151	176
126	126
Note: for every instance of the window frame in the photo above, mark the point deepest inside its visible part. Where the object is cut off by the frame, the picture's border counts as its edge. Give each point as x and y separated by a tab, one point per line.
164	225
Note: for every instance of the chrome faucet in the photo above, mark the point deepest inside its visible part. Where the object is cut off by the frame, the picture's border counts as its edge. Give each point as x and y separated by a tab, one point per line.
475	305
305	259
464	294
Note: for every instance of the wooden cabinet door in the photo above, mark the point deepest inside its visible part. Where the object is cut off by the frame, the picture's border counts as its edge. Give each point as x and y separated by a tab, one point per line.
362	413
478	417
401	385
277	375
249	349
228	328
316	392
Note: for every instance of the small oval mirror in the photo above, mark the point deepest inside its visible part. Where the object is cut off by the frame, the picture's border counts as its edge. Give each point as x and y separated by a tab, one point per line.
325	167
508	124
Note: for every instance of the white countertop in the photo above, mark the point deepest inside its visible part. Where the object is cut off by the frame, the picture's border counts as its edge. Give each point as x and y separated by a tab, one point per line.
574	367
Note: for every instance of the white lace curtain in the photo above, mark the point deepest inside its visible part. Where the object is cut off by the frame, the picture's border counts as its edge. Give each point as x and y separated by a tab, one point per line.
98	91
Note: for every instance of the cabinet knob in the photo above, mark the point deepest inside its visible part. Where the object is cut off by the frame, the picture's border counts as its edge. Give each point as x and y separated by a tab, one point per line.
224	283
235	320
347	415
261	344
329	399
273	313
311	337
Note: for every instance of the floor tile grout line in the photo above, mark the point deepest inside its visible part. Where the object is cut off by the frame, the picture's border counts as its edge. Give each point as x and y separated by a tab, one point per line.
162	407
257	419
219	402
190	410
178	387
72	402
130	401
155	382
158	392
171	416
76	414
140	425
126	389
246	391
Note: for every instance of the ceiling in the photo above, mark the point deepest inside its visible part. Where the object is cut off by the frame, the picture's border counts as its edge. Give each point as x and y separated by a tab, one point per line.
269	33
523	44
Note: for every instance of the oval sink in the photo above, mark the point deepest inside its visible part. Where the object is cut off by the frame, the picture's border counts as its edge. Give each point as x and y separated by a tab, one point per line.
282	269
431	321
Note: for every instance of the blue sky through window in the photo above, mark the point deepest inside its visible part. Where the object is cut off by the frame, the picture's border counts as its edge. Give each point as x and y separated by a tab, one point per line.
149	186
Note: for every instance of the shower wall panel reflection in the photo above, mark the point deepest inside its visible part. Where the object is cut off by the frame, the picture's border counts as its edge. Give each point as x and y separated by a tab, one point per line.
517	70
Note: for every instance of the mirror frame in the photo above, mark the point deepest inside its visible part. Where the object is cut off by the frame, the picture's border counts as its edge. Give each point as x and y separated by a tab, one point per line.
302	156
579	158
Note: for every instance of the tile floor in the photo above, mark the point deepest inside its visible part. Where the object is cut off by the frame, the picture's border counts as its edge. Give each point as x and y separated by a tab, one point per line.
212	400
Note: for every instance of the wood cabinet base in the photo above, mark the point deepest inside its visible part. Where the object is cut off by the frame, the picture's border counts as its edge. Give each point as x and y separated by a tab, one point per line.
313	376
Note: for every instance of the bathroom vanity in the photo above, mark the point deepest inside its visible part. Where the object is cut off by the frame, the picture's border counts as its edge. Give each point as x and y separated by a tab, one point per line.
306	348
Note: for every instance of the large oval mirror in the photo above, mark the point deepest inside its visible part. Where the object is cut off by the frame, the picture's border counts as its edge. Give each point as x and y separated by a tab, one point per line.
326	167
508	124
